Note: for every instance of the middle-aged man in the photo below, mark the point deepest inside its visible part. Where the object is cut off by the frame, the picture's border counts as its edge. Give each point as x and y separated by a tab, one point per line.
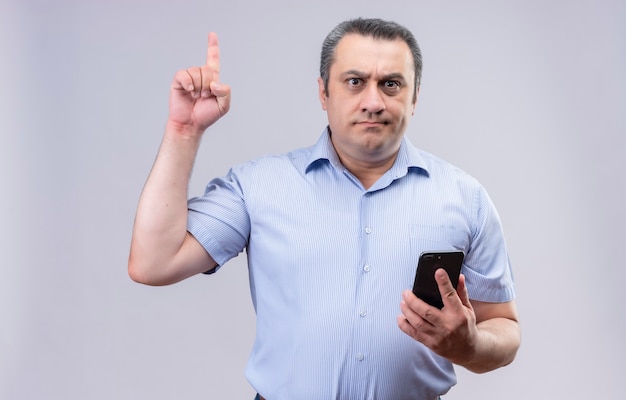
333	233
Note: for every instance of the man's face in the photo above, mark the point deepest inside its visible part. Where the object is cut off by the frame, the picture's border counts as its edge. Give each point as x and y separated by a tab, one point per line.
369	98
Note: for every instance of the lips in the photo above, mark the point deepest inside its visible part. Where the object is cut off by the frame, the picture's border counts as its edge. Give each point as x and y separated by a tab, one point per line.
372	123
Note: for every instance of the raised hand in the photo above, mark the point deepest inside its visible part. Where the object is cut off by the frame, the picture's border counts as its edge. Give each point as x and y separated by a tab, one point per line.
197	98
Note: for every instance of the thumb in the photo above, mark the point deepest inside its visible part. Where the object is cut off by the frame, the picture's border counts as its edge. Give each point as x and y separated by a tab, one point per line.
461	290
222	95
448	293
219	89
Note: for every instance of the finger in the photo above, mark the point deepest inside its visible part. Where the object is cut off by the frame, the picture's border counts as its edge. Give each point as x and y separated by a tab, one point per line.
195	74
213	57
419	314
422	333
406	327
462	292
183	81
188	80
206	77
447	291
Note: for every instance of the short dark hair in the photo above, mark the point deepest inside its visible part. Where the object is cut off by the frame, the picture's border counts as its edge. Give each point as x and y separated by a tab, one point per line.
374	28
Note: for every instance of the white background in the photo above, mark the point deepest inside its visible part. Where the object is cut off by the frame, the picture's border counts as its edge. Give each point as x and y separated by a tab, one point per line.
527	96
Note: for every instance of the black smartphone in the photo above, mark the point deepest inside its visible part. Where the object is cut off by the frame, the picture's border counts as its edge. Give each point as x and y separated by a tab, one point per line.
425	287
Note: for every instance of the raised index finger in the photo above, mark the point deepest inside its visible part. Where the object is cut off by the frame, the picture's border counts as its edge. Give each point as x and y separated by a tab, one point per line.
213	56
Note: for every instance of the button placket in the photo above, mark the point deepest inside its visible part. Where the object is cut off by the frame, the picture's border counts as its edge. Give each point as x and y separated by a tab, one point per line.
361	305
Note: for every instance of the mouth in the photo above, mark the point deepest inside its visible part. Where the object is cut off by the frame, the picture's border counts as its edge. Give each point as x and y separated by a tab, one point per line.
369	123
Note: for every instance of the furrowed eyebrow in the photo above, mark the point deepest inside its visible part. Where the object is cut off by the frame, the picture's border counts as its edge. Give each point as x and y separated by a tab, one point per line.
356	73
390	77
394	77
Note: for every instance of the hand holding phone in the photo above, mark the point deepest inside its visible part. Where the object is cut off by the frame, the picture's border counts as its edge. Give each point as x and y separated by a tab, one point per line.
425	287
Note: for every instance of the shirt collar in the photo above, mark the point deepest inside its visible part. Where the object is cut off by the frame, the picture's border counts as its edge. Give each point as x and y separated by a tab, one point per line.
409	157
322	151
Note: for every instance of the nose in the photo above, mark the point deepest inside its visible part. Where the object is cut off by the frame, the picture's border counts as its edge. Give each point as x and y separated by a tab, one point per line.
372	101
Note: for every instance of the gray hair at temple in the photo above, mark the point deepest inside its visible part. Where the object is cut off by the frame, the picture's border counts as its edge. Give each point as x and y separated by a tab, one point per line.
374	28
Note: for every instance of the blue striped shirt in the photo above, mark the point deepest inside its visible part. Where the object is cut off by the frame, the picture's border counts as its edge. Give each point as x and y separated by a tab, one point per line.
328	261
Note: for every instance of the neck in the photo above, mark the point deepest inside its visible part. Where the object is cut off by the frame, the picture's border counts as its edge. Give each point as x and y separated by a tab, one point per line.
367	172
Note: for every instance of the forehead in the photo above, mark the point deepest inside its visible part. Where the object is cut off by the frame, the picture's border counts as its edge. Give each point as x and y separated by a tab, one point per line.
366	54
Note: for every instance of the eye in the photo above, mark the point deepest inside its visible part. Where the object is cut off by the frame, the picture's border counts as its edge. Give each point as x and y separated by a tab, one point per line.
391	87
354	81
391	84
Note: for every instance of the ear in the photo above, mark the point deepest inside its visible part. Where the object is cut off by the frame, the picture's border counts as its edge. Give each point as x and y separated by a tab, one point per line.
322	92
417	95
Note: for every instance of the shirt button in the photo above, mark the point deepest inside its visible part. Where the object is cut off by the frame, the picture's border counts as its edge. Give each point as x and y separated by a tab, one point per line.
368	230
367	268
360	357
363	313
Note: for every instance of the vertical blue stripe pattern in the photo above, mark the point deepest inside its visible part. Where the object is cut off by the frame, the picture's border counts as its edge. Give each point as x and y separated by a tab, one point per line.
328	261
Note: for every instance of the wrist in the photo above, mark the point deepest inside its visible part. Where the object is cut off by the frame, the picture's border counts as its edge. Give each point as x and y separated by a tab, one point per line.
183	131
180	142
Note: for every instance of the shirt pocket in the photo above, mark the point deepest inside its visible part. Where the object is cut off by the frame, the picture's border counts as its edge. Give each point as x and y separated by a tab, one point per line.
437	238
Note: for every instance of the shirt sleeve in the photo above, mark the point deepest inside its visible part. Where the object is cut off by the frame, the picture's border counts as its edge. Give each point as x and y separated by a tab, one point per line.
487	269
219	219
